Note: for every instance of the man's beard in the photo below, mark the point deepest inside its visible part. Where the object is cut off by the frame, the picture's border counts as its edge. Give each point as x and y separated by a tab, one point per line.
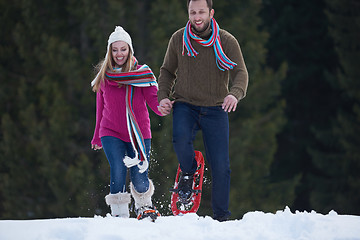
206	25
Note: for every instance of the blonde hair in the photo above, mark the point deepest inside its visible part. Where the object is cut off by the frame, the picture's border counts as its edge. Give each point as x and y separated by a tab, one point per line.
109	63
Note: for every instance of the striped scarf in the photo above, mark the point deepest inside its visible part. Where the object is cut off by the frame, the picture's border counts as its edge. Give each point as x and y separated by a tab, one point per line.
142	77
222	61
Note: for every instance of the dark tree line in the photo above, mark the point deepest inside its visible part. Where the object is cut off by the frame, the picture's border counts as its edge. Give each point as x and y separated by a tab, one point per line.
294	138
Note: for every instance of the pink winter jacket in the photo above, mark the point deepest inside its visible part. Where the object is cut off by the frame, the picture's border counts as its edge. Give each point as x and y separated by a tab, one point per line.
111	111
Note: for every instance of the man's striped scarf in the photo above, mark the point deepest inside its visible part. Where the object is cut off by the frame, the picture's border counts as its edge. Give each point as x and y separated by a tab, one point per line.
222	61
142	77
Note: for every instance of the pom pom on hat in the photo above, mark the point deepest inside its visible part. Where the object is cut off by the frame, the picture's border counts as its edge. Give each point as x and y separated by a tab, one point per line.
120	35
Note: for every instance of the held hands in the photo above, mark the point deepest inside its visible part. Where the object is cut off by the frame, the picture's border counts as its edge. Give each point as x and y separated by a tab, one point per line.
165	106
230	103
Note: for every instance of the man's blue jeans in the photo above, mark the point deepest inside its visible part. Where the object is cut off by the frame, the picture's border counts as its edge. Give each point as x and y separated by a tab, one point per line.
214	124
115	150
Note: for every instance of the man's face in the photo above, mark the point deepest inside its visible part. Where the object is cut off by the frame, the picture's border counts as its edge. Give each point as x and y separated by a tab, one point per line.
200	15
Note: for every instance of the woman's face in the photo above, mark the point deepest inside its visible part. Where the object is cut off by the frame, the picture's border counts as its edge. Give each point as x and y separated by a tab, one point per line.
120	52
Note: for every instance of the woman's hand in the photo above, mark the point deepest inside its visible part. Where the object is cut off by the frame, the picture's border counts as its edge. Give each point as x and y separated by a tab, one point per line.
95	147
165	106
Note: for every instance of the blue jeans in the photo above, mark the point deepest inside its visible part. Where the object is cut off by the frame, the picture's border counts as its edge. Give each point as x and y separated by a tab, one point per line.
214	124
115	151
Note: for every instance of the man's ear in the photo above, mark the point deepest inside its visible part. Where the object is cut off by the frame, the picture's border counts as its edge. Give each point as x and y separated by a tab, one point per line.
212	12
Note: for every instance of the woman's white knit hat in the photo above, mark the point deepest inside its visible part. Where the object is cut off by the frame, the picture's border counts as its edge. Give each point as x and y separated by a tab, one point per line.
120	35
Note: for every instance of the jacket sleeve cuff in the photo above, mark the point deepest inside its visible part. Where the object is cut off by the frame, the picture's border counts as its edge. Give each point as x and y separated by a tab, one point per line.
238	93
96	142
162	96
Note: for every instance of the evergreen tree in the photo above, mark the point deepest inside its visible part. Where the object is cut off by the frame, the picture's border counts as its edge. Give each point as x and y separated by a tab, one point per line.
299	36
45	167
337	185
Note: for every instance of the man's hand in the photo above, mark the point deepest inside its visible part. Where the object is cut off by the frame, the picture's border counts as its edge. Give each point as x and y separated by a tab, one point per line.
230	103
165	106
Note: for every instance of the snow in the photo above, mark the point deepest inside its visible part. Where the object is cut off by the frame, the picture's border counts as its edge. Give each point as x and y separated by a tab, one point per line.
283	225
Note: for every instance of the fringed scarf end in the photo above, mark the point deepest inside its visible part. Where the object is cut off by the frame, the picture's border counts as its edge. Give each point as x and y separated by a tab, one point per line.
131	162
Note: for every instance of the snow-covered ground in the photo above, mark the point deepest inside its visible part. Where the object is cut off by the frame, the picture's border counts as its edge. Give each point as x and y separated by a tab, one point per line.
283	225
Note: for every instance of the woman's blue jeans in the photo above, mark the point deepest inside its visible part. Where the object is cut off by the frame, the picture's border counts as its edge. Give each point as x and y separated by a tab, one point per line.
214	124
115	151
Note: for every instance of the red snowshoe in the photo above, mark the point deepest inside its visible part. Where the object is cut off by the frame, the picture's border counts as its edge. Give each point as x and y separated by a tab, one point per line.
191	205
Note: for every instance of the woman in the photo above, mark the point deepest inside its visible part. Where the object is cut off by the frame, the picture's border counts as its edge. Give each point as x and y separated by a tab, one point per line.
122	128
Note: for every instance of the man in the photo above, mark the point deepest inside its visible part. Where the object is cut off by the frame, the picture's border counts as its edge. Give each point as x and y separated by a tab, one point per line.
198	62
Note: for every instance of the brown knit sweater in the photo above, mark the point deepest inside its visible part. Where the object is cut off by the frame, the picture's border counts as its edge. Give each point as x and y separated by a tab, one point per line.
198	80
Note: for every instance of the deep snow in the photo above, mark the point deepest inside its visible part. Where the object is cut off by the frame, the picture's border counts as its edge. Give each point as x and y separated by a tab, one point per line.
283	225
